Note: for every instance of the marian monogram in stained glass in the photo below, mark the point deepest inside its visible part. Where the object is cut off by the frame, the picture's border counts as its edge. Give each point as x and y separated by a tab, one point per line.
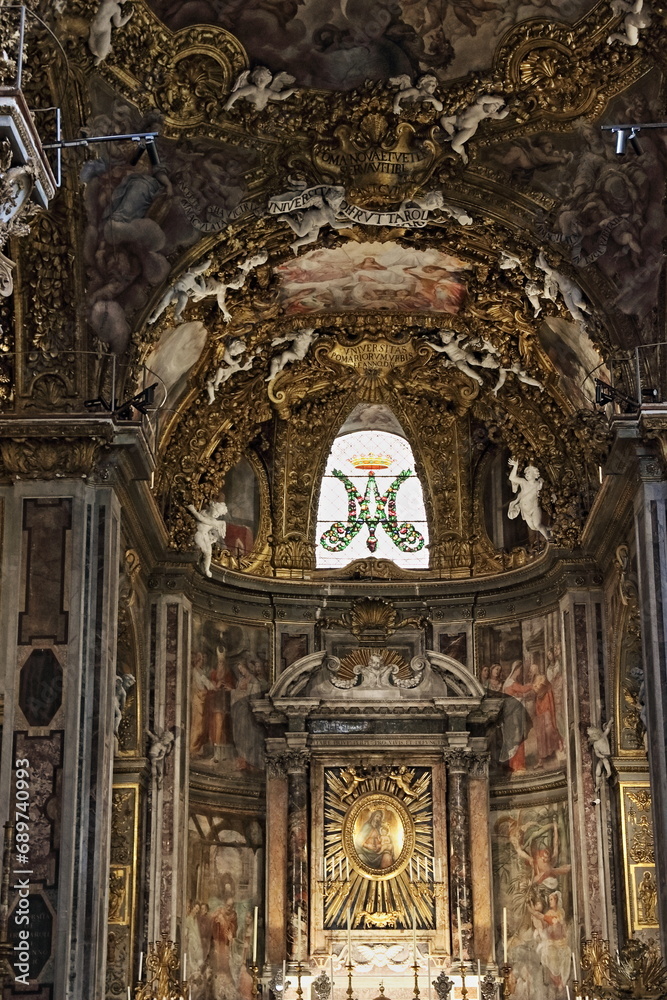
371	503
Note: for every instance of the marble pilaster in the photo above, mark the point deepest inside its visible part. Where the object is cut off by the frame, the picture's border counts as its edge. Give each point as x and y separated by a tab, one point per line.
460	869
61	553
169	643
296	762
651	536
277	797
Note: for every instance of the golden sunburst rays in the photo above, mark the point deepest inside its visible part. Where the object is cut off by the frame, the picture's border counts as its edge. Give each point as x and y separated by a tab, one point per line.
378	822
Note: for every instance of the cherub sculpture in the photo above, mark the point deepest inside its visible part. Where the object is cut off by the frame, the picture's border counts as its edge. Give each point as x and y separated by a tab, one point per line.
423	90
259	86
636	17
451	345
527	504
463	125
320	210
211	529
532	290
190	285
572	295
599	741
230	364
521	374
301	342
123	684
219	287
159	748
109	15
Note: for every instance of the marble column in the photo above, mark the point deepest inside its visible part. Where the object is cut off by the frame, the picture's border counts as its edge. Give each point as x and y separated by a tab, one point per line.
297	853
60	561
460	870
276	853
651	535
480	856
167	835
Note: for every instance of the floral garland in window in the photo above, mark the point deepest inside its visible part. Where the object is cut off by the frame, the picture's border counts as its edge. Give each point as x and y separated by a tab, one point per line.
405	536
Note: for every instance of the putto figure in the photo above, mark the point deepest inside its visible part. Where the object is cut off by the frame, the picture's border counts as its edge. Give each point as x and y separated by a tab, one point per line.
109	15
463	125
190	285
636	17
319	210
211	530
573	297
301	342
423	90
527	504
219	287
259	86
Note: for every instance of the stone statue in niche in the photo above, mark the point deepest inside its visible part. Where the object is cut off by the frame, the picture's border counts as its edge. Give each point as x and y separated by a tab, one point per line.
159	748
259	86
377	673
463	125
599	741
123	684
109	15
636	17
527	504
423	90
211	530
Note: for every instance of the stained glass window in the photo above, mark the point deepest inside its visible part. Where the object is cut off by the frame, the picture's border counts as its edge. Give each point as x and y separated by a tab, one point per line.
371	503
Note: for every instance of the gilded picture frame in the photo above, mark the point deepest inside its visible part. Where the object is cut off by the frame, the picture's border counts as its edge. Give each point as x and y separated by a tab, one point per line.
378	836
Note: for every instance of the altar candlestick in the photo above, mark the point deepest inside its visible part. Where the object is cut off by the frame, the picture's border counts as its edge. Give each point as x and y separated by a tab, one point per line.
504	935
458	918
141	963
254	939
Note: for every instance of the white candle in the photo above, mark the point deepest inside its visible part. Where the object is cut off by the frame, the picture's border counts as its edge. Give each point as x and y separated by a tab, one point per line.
298	947
567	990
429	973
504	935
340	869
414	935
349	939
322	869
458	918
574	967
129	994
254	938
418	869
284	976
433	862
185	965
141	963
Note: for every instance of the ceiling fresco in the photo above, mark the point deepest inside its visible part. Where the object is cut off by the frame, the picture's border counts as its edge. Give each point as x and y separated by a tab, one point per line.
372	276
340	44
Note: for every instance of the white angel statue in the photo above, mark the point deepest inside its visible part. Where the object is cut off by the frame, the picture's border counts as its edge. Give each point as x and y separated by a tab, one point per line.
451	345
301	342
219	287
599	741
527	504
109	15
423	90
160	745
636	17
320	210
230	364
211	529
463	125
190	285
259	86
572	295
123	684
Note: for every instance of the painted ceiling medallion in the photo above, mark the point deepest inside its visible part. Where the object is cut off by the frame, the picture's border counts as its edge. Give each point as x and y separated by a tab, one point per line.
378	165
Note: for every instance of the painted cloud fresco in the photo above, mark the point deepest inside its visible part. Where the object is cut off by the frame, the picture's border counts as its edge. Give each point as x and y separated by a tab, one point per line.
340	44
374	276
608	208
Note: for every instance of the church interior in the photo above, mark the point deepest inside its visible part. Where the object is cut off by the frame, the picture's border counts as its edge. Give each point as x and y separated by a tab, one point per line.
333	499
